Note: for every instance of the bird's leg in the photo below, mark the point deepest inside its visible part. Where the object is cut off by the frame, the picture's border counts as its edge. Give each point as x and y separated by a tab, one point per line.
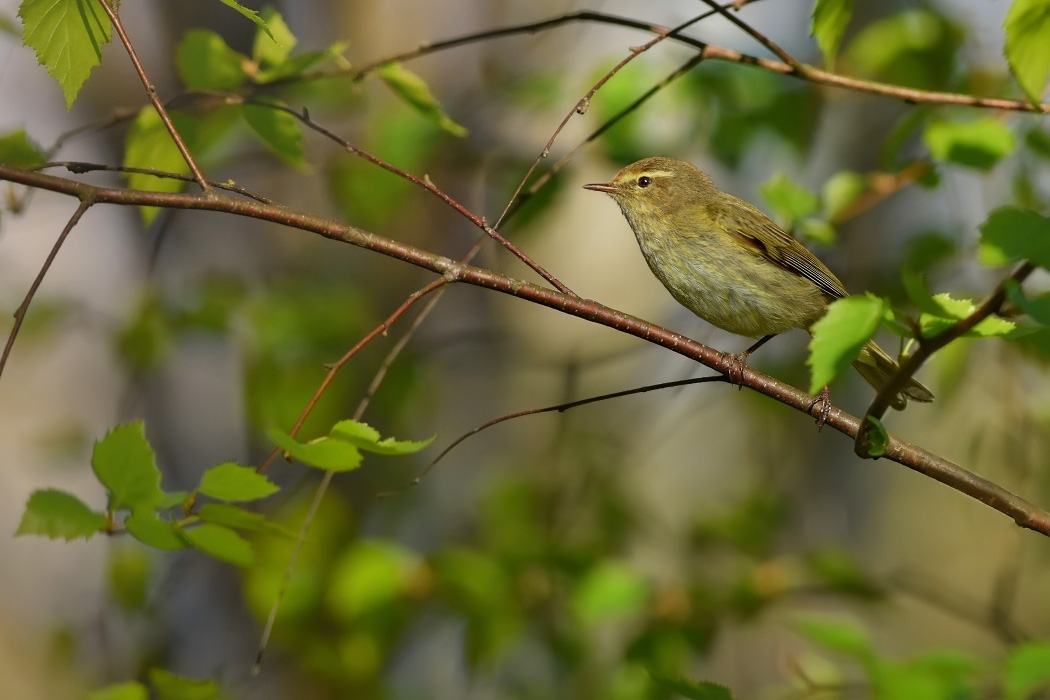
738	360
824	399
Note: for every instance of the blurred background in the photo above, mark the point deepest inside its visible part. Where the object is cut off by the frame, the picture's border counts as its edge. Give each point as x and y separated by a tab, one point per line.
702	532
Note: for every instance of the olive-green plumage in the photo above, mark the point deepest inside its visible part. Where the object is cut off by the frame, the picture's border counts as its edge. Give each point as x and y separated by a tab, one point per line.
728	263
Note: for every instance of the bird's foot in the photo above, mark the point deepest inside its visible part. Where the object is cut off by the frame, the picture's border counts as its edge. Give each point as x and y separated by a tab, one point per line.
824	399
737	363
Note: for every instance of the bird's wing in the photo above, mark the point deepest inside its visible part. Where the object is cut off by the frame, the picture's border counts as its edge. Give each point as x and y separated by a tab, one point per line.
758	231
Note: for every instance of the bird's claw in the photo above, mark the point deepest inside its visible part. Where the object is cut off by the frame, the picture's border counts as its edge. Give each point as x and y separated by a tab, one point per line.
737	363
824	399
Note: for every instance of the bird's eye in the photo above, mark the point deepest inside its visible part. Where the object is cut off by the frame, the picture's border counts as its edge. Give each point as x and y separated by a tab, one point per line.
645	181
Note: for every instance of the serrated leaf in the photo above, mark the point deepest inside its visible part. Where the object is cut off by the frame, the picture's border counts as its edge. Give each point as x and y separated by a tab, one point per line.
206	62
273	47
18	151
148	528
693	690
953	310
250	14
1027	26
838	337
413	90
131	690
53	513
789	201
979	143
830	18
278	130
366	437
67	36
125	464
241	519
1027	669
220	542
323	453
1012	234
233	482
170	686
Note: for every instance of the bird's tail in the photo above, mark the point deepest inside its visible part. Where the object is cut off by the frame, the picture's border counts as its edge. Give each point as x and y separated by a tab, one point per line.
877	367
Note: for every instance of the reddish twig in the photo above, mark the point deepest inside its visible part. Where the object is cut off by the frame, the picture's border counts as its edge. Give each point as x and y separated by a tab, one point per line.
927	347
151	92
20	312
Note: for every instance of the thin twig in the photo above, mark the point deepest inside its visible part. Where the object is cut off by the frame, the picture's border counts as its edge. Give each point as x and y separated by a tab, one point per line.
79	167
927	347
783	55
20	312
151	92
560	408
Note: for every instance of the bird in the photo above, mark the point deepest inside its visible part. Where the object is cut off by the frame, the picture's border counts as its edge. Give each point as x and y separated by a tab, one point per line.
731	265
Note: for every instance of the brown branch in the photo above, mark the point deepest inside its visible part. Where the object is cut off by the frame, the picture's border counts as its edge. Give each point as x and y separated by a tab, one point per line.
151	92
808	72
78	167
927	347
783	55
20	312
1021	511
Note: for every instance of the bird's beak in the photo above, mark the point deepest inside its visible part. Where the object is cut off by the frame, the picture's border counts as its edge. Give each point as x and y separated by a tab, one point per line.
606	187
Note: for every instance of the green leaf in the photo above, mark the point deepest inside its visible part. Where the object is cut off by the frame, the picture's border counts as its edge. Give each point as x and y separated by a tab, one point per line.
830	18
877	439
818	231
840	192
272	47
206	62
1027	26
366	437
170	686
220	542
67	36
915	288
838	337
18	151
413	90
149	145
953	310
148	528
1012	234
840	570
609	590
694	690
277	130
843	636
915	47
55	514
125	464
241	519
303	62
979	143
131	690
232	482
250	14
790	202
143	343
323	453
1027	669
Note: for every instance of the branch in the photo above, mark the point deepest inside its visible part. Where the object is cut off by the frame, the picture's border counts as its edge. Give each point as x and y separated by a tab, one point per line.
1023	513
928	346
151	92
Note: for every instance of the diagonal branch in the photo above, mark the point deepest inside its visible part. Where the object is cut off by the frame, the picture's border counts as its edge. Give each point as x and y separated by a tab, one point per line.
927	347
1025	514
151	92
